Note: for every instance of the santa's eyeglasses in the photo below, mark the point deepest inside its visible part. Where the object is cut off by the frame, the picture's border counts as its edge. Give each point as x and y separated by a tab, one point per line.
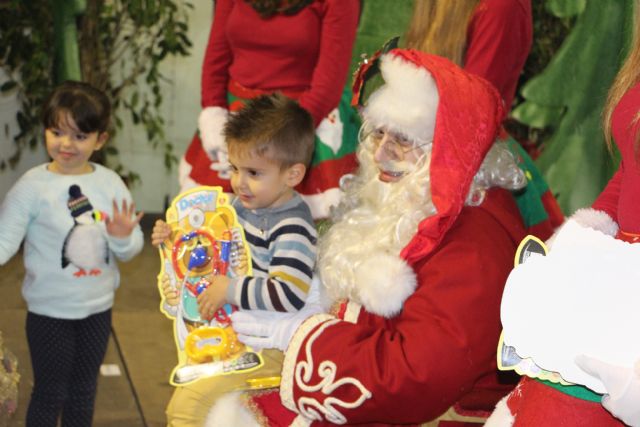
394	144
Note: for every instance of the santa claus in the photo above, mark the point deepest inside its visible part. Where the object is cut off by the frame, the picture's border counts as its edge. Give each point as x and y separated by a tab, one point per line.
414	267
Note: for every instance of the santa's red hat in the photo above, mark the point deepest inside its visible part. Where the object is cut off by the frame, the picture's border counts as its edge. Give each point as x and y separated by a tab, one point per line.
427	97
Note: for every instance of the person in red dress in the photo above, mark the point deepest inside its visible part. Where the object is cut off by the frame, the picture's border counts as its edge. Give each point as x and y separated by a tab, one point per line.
615	213
301	48
494	44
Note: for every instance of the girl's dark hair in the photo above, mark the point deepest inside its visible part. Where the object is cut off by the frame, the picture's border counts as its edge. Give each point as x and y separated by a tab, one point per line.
89	107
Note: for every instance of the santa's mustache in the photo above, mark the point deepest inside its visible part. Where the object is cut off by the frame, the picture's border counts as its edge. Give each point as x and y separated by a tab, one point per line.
396	167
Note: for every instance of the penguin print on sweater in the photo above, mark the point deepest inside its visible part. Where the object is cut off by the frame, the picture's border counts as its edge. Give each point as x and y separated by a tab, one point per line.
85	245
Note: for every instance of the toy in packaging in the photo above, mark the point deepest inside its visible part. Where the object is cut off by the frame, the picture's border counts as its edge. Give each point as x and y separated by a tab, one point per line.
206	240
508	358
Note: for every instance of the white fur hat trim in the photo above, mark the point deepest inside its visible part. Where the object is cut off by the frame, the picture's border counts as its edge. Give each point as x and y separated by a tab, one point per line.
408	101
383	283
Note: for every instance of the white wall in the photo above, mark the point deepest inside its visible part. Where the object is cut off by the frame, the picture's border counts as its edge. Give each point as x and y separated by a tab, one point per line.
9	128
180	107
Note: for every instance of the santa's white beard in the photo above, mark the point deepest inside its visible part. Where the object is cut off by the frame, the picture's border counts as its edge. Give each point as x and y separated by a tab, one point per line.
374	218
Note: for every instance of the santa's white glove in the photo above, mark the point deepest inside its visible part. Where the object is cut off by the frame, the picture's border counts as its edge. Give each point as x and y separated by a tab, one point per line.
622	384
211	123
270	329
590	218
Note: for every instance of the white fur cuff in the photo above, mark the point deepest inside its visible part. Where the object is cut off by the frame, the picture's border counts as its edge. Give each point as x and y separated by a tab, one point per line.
211	123
383	283
598	220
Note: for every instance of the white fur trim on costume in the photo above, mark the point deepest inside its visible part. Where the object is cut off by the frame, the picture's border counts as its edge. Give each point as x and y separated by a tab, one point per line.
229	410
352	312
383	283
184	169
211	122
598	220
407	102
501	415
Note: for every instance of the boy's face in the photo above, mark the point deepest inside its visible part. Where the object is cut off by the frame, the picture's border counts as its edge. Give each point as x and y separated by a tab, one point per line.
70	148
259	182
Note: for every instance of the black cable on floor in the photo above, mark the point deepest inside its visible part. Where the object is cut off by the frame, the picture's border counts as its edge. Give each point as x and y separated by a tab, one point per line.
126	372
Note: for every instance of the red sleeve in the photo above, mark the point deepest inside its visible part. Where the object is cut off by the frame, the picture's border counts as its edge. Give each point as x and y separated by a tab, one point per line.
607	201
498	43
339	26
413	367
217	59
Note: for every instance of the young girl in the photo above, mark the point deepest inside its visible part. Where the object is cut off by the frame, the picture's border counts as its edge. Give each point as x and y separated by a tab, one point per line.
615	212
70	246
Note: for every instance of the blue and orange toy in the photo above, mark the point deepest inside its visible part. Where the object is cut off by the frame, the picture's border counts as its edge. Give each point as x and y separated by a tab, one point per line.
206	240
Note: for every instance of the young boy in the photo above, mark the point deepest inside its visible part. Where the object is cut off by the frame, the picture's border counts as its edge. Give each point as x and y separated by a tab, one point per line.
270	145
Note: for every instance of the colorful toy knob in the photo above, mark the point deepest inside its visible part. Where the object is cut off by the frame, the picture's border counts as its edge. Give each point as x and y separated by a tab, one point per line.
198	257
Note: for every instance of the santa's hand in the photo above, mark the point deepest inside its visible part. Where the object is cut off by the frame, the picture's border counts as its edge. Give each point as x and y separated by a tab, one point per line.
622	384
270	329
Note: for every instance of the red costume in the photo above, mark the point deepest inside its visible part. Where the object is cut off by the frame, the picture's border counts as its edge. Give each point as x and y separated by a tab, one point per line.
620	197
499	38
371	365
543	403
306	56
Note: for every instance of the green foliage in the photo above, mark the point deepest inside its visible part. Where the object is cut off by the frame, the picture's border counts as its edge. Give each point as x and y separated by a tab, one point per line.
549	32
121	44
26	55
564	101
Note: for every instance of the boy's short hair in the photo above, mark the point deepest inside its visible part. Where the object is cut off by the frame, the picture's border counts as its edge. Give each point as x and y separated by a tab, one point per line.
273	126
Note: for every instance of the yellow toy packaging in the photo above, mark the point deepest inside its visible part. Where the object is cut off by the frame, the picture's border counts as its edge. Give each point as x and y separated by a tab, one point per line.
206	240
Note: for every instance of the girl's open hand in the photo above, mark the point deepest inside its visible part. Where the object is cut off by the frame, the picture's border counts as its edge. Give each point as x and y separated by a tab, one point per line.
124	220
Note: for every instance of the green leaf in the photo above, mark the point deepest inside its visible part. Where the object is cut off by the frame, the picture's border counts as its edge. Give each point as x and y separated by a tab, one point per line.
566	8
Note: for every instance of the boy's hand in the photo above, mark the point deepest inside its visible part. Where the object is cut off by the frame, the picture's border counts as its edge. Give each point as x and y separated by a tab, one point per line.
123	221
171	294
161	232
214	297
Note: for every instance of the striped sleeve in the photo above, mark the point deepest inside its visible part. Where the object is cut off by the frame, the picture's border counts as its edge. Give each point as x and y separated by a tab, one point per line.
283	264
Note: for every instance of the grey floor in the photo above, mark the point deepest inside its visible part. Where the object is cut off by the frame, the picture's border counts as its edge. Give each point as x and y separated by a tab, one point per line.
141	344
